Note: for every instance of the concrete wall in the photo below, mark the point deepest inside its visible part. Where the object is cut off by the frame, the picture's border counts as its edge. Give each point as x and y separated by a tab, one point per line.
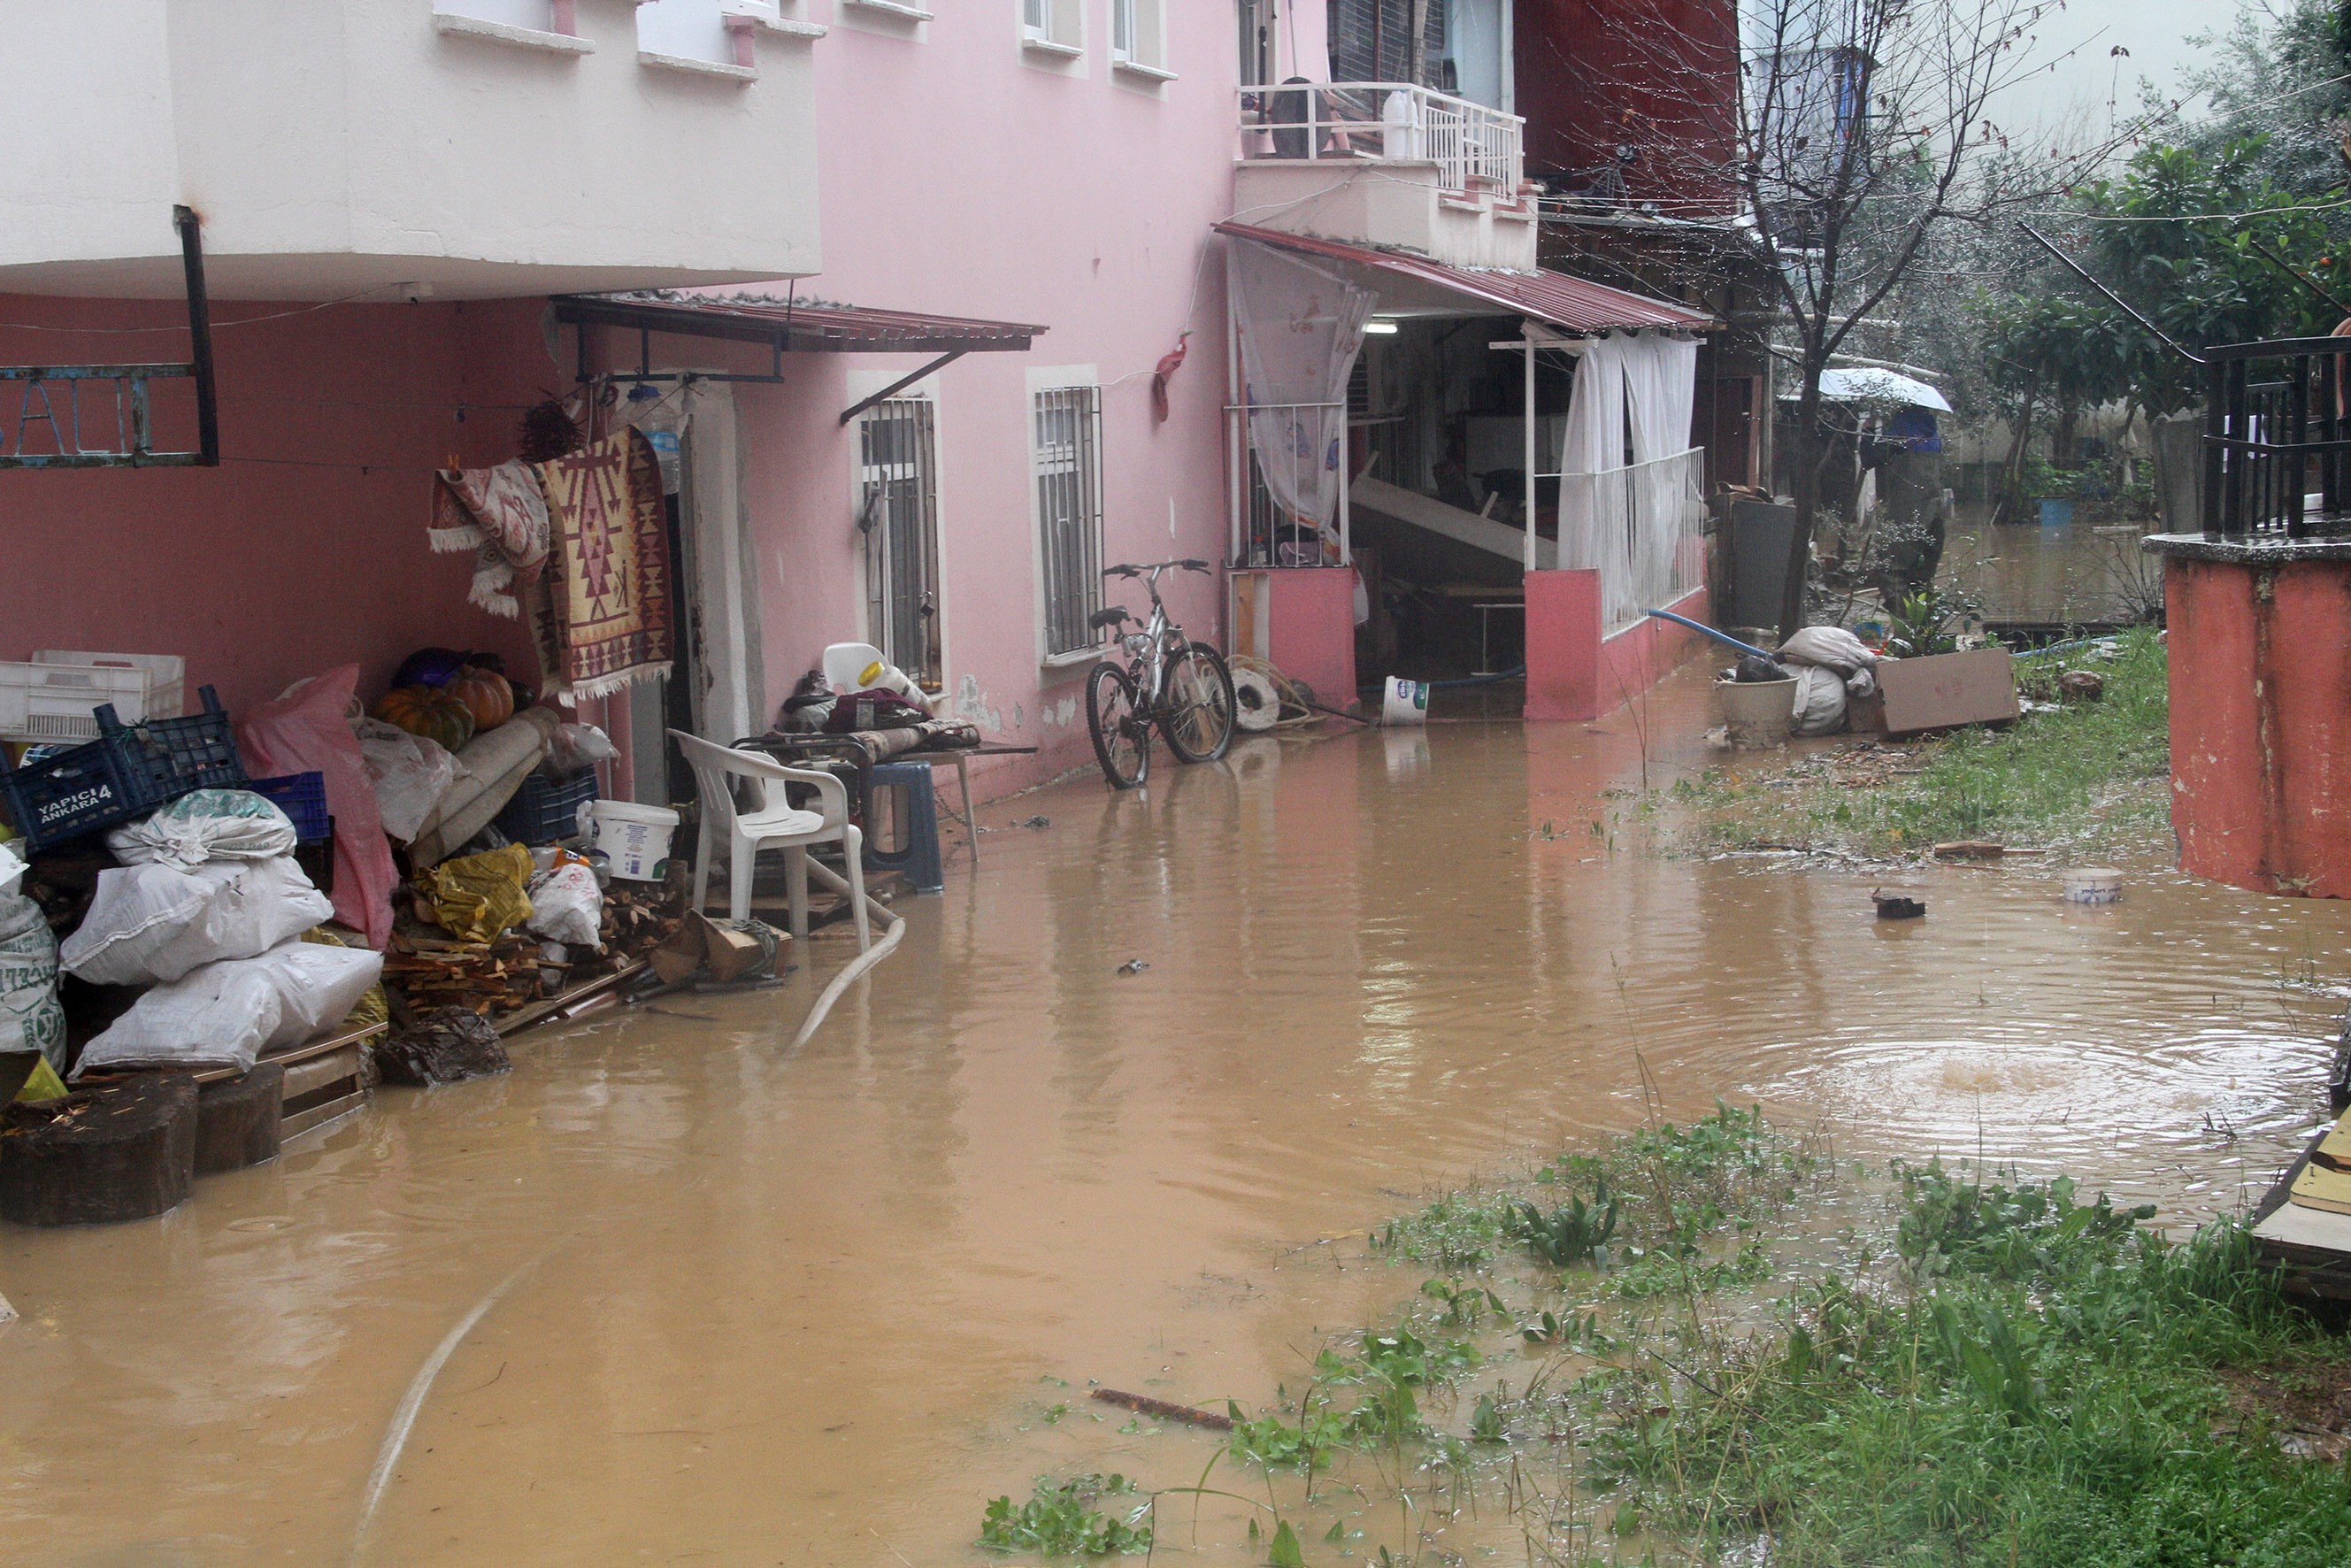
1573	673
1389	204
333	146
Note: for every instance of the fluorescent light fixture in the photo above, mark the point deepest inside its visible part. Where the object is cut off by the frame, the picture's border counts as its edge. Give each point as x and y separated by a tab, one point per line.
1383	328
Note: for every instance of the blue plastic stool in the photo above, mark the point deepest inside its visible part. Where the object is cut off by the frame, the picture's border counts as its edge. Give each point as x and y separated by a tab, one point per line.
918	811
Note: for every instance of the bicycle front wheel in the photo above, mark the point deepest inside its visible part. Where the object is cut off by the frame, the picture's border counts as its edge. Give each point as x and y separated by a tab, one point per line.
1122	738
1198	715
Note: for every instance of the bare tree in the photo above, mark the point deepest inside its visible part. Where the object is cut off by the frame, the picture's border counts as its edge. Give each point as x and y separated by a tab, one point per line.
1846	136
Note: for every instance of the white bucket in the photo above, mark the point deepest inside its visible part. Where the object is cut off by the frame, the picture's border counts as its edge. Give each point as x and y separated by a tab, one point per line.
635	838
1758	714
2092	884
1406	701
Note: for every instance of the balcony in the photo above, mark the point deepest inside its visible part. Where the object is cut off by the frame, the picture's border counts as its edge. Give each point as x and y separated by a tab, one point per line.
391	149
1450	173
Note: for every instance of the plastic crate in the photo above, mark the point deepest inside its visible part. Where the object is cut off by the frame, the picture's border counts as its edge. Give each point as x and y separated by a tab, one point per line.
546	809
302	797
56	697
127	771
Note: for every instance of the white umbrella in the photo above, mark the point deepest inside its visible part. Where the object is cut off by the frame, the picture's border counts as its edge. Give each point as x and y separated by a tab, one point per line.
1863	386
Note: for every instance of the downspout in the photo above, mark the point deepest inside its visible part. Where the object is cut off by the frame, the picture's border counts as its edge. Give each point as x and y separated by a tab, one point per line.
1509	61
1528	330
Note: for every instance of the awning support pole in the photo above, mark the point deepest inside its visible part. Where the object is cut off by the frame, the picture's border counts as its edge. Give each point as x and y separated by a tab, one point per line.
200	335
901	384
1529	347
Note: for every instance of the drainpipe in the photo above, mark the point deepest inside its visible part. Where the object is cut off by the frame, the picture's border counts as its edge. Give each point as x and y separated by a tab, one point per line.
1509	57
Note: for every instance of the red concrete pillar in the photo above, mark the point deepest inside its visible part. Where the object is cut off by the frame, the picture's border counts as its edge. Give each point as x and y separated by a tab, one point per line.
1302	619
1563	645
2260	646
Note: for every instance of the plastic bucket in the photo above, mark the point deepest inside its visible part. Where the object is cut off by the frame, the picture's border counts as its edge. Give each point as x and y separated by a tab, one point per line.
2092	884
635	838
1406	701
1757	713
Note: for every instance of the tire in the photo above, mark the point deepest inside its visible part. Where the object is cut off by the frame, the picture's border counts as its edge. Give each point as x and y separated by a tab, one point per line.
1122	740
1198	714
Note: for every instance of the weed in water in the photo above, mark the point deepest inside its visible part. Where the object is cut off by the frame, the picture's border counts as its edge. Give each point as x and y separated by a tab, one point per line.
1061	1520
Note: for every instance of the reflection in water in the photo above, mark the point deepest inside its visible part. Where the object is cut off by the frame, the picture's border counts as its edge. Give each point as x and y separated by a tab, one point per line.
797	1307
2083	572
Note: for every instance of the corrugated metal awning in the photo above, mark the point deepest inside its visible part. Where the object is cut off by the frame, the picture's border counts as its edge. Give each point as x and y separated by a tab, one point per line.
1571	304
794	326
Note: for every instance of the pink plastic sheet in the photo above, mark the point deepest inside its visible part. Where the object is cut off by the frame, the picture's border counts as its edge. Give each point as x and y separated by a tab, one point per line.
306	730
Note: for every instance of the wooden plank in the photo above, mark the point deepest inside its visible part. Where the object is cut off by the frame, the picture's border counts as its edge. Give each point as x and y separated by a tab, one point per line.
317	1116
542	1011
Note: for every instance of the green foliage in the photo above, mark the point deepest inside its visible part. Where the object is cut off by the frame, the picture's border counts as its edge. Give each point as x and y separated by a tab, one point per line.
1573	1232
1061	1520
1952	1225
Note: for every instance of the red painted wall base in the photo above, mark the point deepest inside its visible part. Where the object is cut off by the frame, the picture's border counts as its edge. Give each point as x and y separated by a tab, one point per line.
1573	672
2261	728
1302	619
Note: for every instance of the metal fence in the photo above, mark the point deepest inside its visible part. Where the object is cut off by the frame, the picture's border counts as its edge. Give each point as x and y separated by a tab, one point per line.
1642	527
899	516
1385	122
2277	439
1070	512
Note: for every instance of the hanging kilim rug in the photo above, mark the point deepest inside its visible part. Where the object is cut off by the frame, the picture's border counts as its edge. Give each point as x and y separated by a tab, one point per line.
603	611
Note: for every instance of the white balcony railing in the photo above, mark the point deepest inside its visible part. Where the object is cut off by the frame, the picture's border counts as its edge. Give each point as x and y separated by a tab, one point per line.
1391	123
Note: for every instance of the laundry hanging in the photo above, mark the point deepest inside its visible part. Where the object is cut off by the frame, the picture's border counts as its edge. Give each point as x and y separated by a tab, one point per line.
499	514
600	613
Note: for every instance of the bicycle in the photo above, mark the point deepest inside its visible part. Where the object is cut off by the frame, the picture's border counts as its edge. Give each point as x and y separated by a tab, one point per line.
1169	680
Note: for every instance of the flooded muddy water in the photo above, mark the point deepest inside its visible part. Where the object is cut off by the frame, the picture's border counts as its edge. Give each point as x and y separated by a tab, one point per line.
669	1292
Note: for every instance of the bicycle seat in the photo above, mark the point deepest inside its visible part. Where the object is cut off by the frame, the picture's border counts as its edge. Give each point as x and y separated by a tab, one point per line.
1109	617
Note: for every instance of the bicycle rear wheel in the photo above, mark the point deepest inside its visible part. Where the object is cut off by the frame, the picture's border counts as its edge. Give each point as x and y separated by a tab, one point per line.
1198	716
1122	738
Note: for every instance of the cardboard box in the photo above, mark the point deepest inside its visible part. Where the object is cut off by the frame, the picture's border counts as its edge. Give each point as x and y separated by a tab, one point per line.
1944	690
726	951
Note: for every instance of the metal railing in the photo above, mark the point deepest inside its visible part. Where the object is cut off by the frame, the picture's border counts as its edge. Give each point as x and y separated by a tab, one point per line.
1642	527
2277	439
1391	123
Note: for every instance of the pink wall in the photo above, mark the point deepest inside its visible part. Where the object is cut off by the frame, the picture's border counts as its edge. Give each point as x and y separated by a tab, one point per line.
1573	672
959	178
305	548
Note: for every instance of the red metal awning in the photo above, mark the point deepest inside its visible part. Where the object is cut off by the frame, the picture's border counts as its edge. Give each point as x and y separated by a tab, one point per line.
1571	304
794	326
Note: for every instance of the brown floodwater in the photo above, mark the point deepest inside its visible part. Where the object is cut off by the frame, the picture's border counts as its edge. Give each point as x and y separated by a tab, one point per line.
671	1292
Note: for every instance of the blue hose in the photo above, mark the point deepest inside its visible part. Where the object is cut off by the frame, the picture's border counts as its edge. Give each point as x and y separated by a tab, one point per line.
1717	636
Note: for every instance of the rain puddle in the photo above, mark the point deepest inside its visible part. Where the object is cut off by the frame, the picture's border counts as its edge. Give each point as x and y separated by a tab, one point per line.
670	1293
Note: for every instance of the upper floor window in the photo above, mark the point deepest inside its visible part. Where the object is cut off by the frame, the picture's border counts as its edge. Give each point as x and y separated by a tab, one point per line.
1058	25
1138	34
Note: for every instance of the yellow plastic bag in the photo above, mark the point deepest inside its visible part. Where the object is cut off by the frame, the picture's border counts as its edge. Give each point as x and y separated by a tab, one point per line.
44	1084
477	897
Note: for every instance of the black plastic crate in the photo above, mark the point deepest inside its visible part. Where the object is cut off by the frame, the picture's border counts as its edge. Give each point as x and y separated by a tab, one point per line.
546	809
126	772
303	798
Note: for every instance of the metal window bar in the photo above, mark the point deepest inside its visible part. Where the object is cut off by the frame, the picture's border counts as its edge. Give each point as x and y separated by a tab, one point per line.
1267	532
1069	512
899	516
2277	438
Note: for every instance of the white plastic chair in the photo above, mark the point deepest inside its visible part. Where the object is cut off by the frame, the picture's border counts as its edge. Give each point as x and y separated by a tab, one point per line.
774	825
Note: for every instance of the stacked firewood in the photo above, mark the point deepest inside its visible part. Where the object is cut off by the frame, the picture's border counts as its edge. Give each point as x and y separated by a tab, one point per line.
639	917
431	970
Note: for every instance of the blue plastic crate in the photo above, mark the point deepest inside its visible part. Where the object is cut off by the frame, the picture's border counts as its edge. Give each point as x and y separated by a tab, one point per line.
303	798
126	772
546	809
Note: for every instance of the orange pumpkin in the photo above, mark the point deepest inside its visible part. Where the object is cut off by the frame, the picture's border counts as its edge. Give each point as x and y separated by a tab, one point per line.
429	711
486	696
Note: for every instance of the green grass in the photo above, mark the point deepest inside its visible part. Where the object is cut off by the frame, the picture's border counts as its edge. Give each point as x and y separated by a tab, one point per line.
2093	776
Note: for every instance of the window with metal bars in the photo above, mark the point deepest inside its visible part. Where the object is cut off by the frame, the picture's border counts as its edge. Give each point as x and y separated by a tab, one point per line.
1374	41
1067	445
899	516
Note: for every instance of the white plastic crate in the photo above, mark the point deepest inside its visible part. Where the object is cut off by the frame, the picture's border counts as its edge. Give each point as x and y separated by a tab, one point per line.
56	697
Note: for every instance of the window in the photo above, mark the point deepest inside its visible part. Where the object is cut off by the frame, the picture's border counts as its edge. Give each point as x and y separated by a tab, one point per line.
898	513
1056	26
1138	38
1067	457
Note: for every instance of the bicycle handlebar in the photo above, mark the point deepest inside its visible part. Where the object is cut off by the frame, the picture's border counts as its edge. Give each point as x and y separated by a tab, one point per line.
1132	569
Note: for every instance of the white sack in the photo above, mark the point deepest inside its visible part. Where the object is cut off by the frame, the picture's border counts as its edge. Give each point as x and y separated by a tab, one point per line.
206	825
566	906
30	1016
1861	683
411	773
153	924
1820	701
1829	647
227	1014
12	871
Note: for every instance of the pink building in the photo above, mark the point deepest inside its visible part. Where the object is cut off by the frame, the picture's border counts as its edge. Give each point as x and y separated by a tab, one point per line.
902	284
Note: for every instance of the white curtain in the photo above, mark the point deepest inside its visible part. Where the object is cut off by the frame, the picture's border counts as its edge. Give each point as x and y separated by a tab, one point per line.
1631	522
1300	329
